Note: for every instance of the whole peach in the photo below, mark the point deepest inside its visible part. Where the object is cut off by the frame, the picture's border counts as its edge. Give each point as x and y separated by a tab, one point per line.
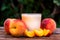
15	27
48	23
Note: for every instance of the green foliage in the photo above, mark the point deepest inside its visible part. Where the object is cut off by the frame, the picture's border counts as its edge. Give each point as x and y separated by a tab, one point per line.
45	13
25	1
3	7
28	6
57	2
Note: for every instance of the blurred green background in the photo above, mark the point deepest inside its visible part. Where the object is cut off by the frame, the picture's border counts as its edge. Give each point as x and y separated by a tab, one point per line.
14	8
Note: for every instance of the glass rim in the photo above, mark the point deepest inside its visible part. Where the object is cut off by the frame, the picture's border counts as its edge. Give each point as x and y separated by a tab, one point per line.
35	15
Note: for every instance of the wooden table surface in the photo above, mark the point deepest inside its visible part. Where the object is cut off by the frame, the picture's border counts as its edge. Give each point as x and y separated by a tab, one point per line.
55	36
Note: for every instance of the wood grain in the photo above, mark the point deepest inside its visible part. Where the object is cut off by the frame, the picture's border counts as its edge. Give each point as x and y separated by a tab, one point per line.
54	36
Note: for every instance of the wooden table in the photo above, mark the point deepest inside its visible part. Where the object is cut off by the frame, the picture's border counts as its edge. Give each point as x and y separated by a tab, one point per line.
55	36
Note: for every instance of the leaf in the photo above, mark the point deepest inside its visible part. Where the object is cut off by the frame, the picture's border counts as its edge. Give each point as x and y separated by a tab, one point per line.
3	7
57	2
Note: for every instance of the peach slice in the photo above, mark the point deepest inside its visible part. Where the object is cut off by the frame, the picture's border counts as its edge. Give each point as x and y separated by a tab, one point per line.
39	32
29	33
47	32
